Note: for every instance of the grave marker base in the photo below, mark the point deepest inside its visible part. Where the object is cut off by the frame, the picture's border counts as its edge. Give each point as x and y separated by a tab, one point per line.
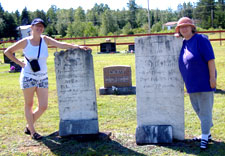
149	134
74	127
117	91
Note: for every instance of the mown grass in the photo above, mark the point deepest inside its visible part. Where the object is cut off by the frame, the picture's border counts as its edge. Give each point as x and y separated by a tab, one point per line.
117	114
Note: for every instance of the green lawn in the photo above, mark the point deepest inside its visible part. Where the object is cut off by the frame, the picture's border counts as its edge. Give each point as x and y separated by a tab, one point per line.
117	114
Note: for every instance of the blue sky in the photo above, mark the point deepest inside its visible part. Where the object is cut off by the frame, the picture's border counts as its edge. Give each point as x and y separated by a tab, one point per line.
32	5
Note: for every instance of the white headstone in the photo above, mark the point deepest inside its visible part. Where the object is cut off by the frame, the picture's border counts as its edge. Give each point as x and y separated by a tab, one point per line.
159	85
76	92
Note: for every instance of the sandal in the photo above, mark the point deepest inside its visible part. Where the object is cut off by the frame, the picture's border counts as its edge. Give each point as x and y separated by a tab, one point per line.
199	138
204	144
36	136
27	131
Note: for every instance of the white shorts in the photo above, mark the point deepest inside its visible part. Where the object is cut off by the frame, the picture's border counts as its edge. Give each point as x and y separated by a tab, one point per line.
39	80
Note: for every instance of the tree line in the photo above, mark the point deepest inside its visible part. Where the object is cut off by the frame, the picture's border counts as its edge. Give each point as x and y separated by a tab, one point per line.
101	20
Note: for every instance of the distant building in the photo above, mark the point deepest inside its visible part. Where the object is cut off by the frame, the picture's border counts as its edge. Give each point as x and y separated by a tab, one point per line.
170	25
24	30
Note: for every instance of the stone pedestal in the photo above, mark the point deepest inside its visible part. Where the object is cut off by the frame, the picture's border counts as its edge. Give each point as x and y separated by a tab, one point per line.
76	92
117	91
159	86
154	134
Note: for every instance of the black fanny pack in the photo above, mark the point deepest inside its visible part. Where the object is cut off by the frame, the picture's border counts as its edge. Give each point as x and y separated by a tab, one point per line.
34	63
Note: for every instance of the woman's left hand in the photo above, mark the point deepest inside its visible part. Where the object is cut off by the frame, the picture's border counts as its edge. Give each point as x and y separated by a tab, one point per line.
212	82
85	48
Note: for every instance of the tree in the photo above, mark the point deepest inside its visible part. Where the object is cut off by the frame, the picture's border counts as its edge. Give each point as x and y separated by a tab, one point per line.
64	18
76	29
205	12
157	27
51	15
10	26
2	27
141	17
121	18
185	10
17	17
51	18
127	29
90	30
2	22
166	16
25	19
219	20
94	15
79	15
40	14
108	23
132	6
1	11
101	8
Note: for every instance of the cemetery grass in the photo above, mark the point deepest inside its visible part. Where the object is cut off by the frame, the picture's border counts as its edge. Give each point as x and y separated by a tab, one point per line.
117	114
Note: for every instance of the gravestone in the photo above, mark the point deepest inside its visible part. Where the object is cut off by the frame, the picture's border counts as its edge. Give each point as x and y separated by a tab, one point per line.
159	89
117	80
108	47
118	76
131	48
14	67
76	92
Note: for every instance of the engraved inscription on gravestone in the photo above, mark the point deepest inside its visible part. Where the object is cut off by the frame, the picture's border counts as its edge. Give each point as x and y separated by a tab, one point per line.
117	80
159	85
76	92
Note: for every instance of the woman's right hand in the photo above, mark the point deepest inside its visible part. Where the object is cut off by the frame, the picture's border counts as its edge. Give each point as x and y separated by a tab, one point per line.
22	64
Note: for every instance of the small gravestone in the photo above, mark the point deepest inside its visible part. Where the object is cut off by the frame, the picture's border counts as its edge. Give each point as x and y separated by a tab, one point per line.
76	92
117	80
131	48
14	67
108	47
119	76
160	90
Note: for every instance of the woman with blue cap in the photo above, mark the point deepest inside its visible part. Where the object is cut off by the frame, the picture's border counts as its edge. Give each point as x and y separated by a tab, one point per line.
35	80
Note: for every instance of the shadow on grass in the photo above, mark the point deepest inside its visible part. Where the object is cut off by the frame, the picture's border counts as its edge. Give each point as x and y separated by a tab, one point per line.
220	91
215	148
79	145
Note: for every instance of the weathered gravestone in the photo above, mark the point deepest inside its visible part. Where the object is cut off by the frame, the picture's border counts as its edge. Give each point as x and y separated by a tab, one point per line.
159	90
76	92
117	80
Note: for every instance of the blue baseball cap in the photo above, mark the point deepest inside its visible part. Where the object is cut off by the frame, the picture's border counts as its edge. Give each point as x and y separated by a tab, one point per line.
38	20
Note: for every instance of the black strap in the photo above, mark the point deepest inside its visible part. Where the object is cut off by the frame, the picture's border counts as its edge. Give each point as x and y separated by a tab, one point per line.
39	48
38	51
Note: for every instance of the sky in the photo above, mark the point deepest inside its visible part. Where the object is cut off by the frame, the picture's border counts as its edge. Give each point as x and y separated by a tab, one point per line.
33	5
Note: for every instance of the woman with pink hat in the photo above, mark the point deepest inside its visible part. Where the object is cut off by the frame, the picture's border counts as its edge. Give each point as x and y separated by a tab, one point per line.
197	67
